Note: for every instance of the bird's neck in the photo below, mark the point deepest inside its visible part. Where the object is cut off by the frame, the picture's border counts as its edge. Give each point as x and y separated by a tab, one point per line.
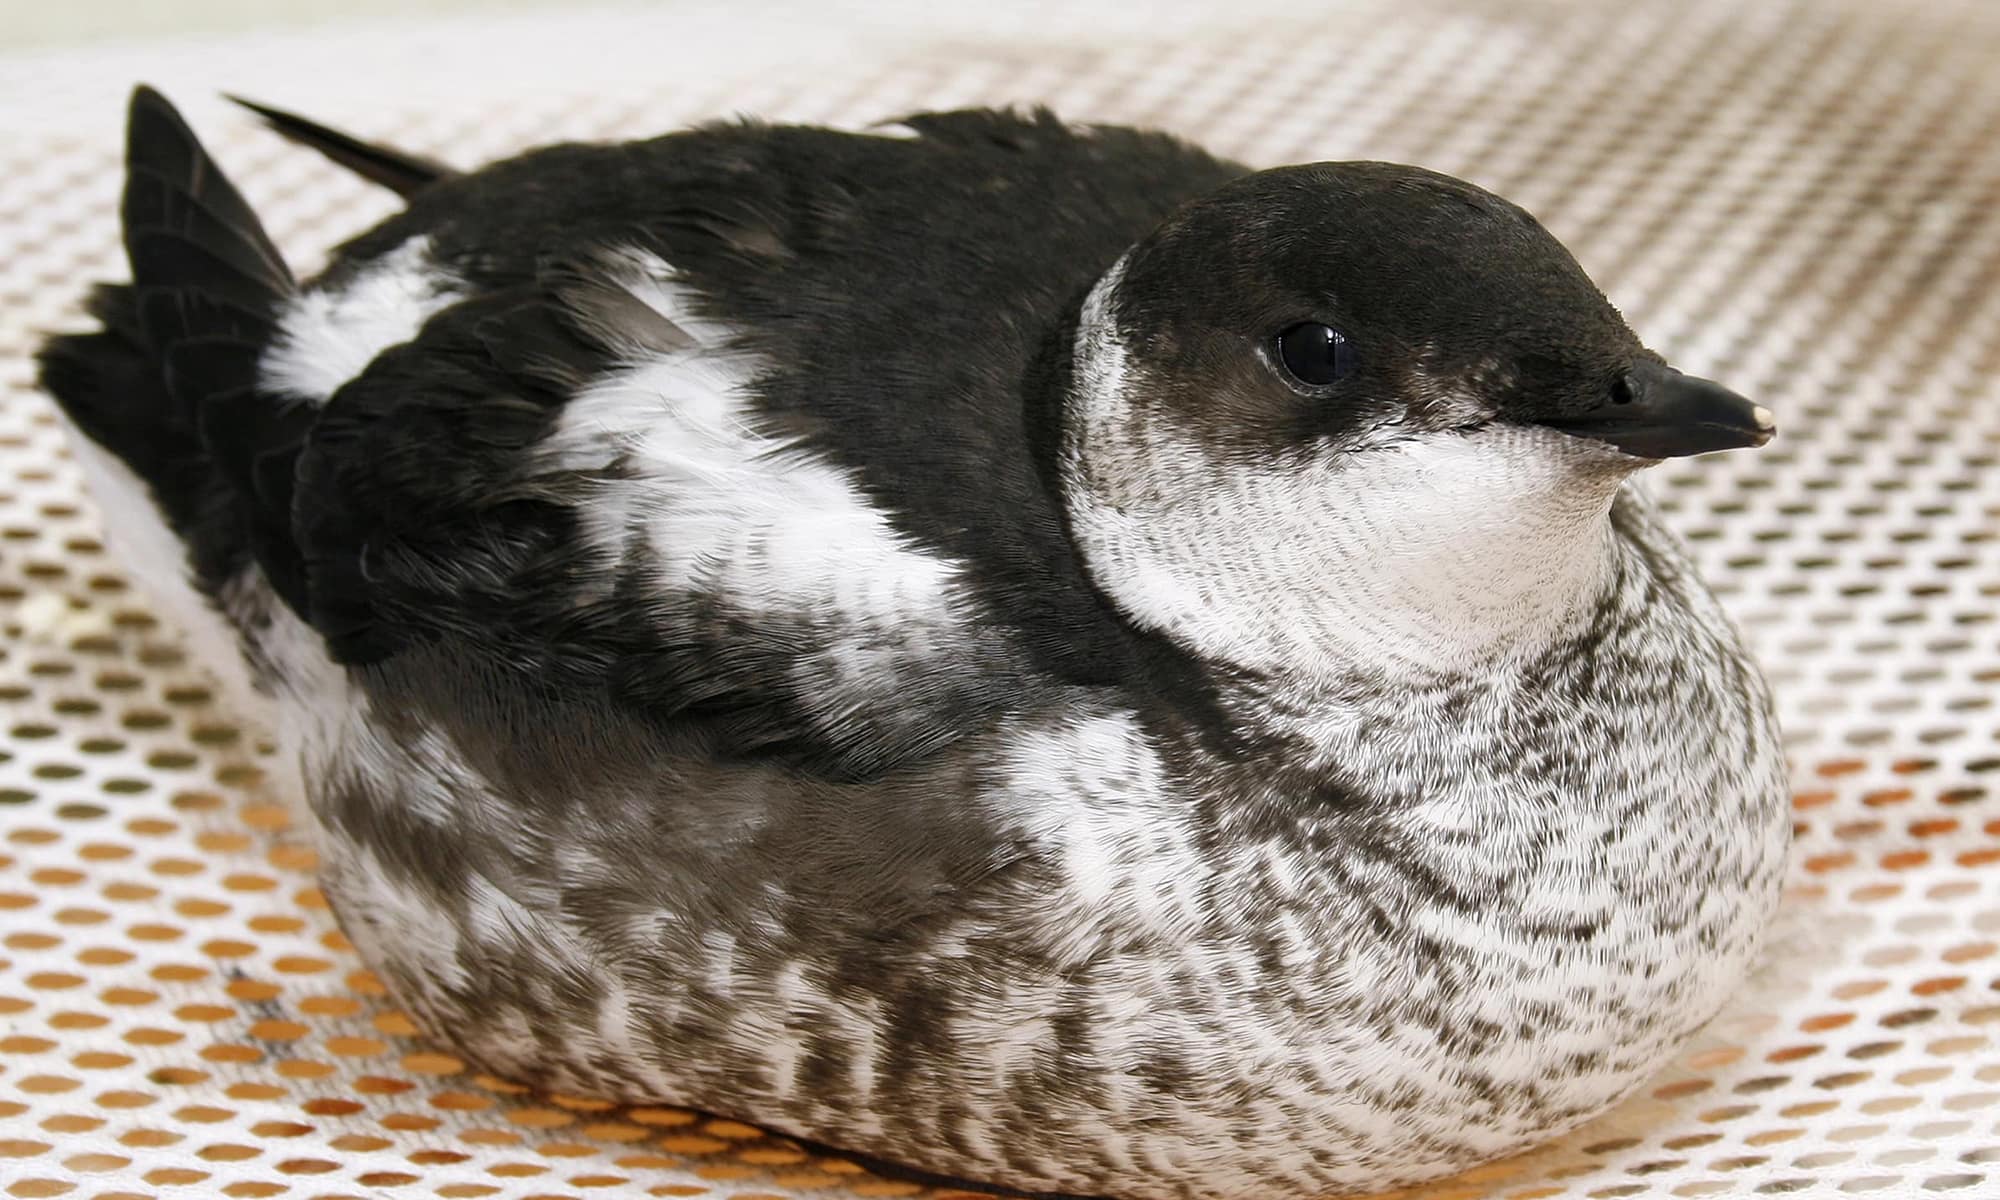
1453	559
1442	556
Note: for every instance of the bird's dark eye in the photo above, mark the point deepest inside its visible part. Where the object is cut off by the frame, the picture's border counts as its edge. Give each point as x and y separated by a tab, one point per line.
1315	354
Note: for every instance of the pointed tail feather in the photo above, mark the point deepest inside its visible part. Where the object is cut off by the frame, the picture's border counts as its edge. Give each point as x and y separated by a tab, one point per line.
184	453
402	173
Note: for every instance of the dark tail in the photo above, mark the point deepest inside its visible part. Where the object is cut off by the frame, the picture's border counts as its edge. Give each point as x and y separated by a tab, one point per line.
168	386
402	173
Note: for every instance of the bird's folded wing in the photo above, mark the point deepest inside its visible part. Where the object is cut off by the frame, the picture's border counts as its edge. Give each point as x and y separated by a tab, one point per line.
561	485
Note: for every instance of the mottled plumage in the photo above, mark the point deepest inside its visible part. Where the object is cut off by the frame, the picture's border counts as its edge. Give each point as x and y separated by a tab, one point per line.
869	635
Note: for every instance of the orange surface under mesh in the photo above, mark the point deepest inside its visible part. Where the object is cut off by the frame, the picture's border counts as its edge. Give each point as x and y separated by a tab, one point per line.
1800	199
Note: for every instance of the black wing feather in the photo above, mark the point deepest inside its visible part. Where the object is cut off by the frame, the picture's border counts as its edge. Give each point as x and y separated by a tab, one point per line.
414	512
152	201
168	384
159	147
402	173
206	285
431	517
842	263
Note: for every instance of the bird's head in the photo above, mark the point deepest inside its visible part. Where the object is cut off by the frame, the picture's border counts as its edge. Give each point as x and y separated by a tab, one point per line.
1348	410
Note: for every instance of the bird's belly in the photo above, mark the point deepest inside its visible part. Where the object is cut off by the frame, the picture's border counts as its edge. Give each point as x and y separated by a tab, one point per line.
1069	974
1127	1016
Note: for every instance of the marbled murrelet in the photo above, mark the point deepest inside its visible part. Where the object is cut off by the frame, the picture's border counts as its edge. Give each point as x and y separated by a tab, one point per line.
1027	652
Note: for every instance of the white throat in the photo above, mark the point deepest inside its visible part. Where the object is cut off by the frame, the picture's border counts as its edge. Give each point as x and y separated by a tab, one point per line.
1439	551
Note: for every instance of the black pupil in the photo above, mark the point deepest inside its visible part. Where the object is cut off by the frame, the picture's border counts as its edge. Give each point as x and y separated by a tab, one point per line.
1315	354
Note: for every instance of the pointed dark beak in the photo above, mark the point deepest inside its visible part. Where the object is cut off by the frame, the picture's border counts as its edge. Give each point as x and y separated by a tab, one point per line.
1656	412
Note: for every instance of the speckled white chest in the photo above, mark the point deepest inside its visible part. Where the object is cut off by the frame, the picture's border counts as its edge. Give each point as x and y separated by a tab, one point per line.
1351	1023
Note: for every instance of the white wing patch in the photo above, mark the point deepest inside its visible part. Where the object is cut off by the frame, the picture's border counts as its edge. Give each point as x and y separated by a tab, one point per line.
329	335
724	508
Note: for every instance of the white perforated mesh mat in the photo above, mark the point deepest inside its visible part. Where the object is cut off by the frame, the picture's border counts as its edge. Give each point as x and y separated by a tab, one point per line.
1801	200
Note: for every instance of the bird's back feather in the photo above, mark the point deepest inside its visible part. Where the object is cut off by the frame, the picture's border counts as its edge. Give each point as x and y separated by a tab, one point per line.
701	432
762	482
